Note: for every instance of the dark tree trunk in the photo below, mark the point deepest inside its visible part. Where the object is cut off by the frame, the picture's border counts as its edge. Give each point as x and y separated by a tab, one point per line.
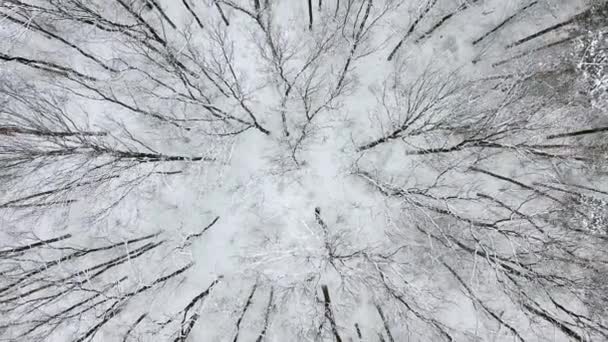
310	14
504	22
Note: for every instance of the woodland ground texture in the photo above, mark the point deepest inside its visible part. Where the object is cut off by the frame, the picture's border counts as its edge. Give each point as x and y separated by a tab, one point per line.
337	170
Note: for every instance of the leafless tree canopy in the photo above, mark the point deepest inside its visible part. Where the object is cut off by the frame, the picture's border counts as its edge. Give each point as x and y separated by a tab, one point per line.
344	170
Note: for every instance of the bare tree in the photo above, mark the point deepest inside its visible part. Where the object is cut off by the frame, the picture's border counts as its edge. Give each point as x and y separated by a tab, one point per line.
44	143
49	284
458	186
512	218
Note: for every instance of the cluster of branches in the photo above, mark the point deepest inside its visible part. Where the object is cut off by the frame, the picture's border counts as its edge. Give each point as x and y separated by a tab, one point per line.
523	241
336	260
44	142
48	285
166	75
509	211
424	9
185	75
558	37
508	205
157	69
309	79
501	202
545	260
498	214
593	63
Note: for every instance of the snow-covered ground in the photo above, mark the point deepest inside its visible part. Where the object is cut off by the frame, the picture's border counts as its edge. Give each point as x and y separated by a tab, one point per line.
397	200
